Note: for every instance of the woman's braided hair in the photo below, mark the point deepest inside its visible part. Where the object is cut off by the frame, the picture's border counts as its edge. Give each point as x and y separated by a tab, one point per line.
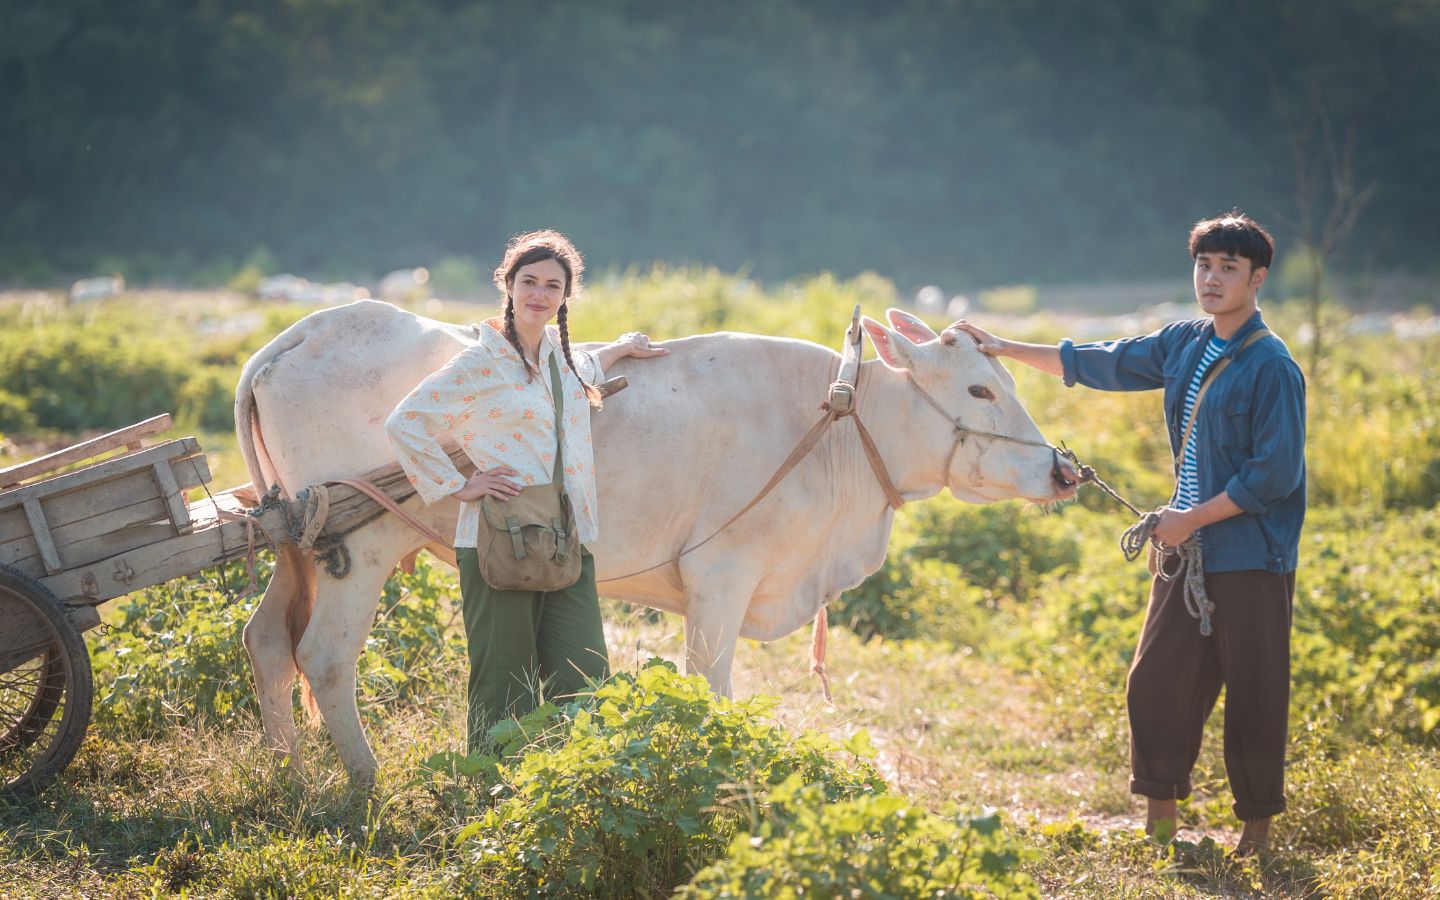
527	249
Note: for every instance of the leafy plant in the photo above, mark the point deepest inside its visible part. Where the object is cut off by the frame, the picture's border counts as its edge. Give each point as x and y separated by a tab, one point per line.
870	846
651	779
174	653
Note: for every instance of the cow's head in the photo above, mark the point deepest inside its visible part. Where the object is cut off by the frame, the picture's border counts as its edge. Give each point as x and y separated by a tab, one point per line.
976	390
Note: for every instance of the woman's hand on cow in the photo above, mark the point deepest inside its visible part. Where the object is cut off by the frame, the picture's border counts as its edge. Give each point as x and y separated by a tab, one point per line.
632	343
490	483
987	342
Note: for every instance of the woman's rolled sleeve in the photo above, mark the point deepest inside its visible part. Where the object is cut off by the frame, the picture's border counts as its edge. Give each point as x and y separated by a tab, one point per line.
442	401
587	366
1277	462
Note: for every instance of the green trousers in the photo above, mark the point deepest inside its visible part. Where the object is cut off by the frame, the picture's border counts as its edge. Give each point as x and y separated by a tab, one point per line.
524	643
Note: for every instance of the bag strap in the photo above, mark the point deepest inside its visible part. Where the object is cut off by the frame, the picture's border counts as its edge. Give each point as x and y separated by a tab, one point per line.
558	396
1210	377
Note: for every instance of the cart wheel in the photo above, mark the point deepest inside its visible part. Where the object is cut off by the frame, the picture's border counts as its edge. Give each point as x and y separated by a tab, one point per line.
45	685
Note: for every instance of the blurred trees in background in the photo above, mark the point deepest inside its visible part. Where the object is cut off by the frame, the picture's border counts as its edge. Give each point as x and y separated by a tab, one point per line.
966	142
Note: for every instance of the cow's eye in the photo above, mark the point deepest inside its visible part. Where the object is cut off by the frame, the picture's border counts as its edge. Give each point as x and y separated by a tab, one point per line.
981	392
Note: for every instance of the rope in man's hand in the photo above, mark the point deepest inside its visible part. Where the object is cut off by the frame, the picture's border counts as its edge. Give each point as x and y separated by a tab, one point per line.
1133	541
1197	601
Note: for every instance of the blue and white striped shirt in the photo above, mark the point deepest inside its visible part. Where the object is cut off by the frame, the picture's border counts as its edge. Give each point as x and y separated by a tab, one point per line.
1187	488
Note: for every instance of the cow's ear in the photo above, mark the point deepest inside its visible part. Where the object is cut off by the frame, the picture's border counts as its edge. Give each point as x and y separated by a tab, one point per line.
910	326
895	349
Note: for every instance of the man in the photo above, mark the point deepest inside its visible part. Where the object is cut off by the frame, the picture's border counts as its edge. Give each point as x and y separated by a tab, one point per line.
1240	493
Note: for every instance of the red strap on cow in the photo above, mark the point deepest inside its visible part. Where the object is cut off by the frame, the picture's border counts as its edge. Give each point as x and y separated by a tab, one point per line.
374	493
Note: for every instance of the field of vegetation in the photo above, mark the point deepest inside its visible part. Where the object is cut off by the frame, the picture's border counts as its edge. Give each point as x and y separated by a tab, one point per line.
977	745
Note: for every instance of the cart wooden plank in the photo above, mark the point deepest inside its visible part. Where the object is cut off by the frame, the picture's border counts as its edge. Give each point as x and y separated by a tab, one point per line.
210	544
120	514
175	504
71	481
129	499
40	533
125	437
106	514
103	558
350	508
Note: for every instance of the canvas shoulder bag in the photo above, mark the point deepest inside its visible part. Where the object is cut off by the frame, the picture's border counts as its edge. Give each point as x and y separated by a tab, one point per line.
529	543
1151	562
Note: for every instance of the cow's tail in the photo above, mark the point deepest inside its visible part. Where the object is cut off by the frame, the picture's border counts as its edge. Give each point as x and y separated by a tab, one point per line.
263	474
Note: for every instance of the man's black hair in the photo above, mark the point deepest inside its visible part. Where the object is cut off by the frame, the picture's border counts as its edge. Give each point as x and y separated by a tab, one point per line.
1234	234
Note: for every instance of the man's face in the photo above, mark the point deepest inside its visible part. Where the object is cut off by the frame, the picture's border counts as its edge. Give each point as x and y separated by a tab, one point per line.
1226	284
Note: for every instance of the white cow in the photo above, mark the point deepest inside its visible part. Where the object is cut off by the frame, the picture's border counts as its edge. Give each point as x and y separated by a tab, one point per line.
87	290
690	442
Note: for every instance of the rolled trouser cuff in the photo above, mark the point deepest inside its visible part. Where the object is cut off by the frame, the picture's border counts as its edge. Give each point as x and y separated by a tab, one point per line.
1157	790
1246	811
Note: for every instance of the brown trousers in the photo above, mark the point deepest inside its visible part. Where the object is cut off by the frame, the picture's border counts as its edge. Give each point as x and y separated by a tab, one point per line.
1177	675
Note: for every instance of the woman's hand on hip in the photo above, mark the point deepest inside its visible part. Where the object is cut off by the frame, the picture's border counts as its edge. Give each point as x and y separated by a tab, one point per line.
492	482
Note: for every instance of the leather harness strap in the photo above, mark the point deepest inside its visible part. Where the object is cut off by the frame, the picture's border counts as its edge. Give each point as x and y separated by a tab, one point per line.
374	493
1210	377
877	465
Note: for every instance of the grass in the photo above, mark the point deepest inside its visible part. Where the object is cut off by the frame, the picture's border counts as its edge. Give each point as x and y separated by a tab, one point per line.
1006	692
205	804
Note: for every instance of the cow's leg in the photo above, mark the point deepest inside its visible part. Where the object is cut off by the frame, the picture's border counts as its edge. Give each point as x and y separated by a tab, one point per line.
272	657
717	593
343	617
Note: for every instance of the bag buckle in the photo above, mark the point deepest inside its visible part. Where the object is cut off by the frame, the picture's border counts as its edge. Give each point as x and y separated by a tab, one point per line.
560	540
517	540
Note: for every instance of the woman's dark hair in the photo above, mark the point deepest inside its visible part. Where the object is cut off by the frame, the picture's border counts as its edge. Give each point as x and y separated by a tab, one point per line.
1236	234
527	249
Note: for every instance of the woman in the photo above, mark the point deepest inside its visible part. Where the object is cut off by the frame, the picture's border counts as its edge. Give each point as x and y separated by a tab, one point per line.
495	397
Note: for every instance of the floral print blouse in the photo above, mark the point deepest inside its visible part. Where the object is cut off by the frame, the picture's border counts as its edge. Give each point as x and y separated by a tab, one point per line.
482	400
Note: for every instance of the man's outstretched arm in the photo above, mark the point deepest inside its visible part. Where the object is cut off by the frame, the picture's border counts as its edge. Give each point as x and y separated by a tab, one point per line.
1045	357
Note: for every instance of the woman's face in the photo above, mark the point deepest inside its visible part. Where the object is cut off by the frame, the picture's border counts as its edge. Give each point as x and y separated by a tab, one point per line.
538	289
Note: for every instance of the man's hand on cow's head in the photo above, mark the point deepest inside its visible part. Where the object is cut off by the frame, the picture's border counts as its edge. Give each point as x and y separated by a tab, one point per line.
492	482
984	340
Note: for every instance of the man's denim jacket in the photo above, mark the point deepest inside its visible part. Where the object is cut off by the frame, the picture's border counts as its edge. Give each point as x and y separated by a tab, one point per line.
1250	435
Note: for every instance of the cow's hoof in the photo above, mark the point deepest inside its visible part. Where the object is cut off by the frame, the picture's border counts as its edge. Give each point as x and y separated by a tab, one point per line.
363	782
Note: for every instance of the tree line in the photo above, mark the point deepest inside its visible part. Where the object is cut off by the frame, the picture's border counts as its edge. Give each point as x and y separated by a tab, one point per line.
965	142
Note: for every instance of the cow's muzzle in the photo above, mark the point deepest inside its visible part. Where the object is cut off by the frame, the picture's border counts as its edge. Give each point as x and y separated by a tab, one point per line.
1063	474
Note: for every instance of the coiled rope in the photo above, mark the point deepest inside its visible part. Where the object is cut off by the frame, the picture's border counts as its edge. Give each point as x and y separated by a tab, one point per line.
1197	601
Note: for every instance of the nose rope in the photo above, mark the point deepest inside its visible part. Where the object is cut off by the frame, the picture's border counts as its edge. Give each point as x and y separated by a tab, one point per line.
1133	541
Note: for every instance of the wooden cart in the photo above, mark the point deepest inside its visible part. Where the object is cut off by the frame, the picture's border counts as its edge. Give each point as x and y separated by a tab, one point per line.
72	541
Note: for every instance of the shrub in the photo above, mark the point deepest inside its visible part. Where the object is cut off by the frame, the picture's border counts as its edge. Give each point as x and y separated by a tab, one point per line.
650	781
176	652
112	365
1372	841
948	563
15	413
871	846
1365	648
